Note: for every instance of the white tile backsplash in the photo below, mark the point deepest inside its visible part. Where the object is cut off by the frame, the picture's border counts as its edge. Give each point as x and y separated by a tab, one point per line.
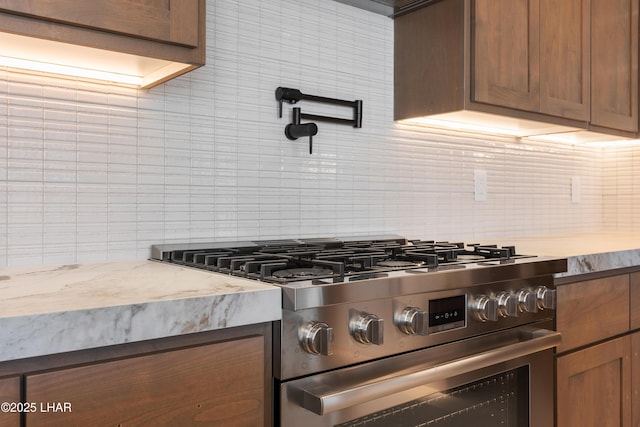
90	172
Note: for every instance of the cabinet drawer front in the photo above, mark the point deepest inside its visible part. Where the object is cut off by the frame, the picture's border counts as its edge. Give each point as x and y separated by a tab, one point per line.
592	310
220	384
162	20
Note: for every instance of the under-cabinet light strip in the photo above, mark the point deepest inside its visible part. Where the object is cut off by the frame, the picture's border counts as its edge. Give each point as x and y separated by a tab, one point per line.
69	71
466	127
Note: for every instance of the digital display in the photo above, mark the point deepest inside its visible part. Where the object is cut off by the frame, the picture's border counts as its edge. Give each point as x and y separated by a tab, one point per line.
447	313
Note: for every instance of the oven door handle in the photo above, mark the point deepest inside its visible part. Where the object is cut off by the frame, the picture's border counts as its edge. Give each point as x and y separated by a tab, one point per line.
325	401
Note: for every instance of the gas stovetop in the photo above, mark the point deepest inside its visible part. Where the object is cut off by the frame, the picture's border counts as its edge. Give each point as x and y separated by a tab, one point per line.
318	261
322	261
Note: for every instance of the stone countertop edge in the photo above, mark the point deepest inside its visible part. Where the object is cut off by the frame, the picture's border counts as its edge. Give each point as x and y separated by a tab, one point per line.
593	263
54	309
585	252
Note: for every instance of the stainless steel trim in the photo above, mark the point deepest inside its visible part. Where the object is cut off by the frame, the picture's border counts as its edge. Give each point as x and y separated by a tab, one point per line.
299	297
324	401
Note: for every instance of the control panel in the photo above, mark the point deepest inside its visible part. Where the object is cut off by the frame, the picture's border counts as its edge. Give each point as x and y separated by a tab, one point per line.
432	316
493	307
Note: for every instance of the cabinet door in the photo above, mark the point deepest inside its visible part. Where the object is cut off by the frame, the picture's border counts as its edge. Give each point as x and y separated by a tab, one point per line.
220	384
635	379
505	55
614	64
594	386
163	20
592	310
564	58
10	393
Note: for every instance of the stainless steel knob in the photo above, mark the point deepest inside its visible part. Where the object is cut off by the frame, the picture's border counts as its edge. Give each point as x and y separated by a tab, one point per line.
367	328
546	298
485	308
317	338
413	321
507	304
528	301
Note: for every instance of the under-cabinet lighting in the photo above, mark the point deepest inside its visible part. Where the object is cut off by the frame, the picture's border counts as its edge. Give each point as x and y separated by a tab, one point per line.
491	124
477	122
468	127
63	59
618	143
586	138
65	70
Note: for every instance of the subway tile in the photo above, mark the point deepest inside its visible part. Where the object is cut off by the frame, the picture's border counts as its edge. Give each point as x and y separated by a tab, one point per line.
103	173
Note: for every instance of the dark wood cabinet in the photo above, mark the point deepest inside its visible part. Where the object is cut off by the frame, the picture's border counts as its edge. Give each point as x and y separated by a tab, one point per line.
218	384
598	362
162	38
505	53
220	378
595	384
564	58
524	56
614	64
163	20
592	310
532	55
550	61
635	379
9	394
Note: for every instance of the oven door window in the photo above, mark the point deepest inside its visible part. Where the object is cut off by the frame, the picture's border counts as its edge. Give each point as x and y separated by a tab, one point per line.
498	400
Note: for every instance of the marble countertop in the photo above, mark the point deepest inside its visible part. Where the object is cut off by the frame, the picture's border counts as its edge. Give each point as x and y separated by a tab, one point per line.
585	252
54	309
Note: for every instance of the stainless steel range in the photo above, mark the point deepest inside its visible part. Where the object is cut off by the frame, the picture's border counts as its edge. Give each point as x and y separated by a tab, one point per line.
384	331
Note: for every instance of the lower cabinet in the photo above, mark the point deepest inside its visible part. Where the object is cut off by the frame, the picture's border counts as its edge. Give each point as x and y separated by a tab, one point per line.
218	384
10	395
594	385
218	378
598	362
635	379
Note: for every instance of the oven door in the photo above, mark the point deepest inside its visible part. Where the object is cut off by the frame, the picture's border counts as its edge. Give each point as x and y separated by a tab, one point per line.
501	379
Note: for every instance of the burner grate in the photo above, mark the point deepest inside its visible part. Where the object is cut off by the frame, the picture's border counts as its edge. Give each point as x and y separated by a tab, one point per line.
287	261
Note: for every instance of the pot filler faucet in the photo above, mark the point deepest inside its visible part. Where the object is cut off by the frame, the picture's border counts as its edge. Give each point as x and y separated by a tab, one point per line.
296	129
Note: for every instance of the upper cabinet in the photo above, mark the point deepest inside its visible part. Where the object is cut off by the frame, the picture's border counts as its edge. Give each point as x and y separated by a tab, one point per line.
506	54
564	58
149	40
614	64
549	61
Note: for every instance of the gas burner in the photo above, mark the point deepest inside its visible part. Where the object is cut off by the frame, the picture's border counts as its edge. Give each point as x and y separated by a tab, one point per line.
302	273
398	264
469	257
